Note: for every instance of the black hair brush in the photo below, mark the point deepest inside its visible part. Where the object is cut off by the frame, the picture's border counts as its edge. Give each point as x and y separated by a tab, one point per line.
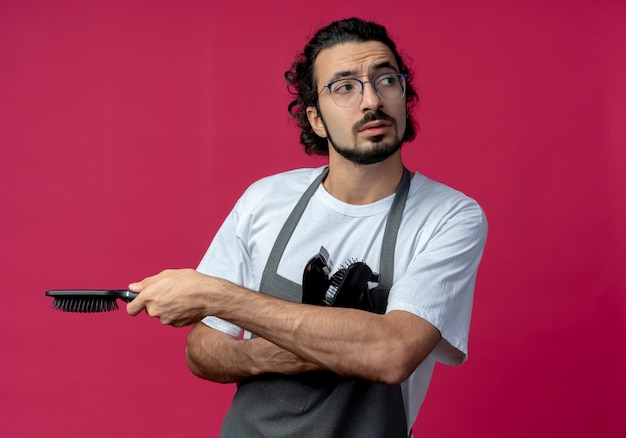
88	300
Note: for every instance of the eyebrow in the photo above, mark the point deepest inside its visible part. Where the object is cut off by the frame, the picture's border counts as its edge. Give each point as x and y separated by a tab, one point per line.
351	73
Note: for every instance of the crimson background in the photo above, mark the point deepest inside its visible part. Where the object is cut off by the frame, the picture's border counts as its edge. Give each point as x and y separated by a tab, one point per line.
129	128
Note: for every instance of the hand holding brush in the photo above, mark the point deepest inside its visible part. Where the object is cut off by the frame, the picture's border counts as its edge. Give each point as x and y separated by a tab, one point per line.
173	296
178	297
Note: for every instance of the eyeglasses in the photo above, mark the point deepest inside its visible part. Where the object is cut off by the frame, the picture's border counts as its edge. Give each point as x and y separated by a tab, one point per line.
346	92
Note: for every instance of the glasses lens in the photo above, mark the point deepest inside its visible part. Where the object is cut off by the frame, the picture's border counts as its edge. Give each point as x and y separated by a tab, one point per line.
390	86
345	92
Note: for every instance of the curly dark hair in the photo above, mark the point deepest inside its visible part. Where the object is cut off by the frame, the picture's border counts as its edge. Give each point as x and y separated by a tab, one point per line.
301	80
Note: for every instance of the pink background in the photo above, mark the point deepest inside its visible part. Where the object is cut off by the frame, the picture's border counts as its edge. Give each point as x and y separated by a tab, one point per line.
128	130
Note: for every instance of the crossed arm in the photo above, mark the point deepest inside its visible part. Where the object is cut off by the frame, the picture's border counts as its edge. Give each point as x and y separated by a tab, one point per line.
292	338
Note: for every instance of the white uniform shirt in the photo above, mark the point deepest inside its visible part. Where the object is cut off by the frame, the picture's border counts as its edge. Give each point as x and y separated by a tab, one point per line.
438	249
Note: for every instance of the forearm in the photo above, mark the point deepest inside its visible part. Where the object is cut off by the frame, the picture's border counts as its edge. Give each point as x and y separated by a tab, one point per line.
384	348
215	356
347	341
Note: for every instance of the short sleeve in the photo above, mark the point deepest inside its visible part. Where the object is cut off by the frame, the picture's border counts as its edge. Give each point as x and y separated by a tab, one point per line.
439	282
226	258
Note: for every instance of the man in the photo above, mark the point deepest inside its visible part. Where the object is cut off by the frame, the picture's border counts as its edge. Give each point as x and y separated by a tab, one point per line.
321	369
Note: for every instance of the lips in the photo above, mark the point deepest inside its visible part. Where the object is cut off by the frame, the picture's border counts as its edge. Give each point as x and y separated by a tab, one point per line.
374	129
374	125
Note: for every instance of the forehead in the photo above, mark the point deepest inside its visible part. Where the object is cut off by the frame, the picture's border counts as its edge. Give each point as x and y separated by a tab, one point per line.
355	58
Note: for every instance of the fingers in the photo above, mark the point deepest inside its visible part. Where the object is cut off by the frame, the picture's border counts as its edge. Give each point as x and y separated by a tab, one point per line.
135	306
168	296
138	304
141	285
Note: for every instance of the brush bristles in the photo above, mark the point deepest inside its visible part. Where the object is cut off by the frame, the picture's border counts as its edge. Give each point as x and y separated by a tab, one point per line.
84	304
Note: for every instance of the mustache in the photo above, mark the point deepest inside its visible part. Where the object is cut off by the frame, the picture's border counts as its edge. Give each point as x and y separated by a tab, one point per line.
372	116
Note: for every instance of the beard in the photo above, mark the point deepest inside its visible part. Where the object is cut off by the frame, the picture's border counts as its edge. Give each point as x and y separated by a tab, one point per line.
379	151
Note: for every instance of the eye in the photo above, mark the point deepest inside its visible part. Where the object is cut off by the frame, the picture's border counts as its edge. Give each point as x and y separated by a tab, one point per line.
343	87
387	81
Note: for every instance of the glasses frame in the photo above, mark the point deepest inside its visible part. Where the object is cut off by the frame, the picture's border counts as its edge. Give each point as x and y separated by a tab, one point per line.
371	81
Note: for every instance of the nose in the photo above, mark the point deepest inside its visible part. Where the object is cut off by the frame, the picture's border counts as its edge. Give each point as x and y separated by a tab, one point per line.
371	101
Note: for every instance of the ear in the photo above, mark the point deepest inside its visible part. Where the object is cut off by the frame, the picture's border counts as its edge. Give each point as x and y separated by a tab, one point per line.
316	121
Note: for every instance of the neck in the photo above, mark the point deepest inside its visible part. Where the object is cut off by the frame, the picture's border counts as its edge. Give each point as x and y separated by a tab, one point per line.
363	184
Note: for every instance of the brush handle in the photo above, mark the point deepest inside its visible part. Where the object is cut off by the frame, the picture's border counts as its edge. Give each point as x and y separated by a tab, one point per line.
127	296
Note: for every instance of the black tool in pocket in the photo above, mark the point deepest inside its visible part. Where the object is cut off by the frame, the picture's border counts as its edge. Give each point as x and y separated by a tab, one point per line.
348	287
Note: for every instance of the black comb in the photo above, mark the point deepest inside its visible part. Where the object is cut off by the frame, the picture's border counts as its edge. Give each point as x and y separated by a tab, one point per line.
88	300
348	286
